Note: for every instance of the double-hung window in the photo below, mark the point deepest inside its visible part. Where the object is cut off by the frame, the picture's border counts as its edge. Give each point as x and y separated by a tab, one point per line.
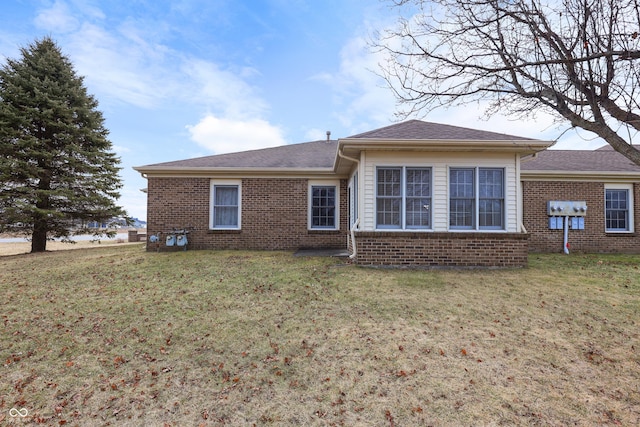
324	207
476	199
403	198
462	198
225	205
617	206
491	198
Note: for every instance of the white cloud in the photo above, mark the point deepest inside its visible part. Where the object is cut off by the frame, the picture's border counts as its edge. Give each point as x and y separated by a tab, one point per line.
223	91
224	135
131	64
57	18
361	98
120	149
316	135
119	68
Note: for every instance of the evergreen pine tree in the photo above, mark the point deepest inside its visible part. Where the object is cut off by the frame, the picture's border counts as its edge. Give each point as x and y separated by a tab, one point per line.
57	168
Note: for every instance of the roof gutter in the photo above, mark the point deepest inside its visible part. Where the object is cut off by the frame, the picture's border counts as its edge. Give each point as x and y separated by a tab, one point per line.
535	155
194	172
344	156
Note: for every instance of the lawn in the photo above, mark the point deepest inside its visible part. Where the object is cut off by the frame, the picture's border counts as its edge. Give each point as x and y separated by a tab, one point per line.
117	336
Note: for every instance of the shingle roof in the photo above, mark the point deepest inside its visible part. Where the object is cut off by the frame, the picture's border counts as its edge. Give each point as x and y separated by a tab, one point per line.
322	154
316	154
418	129
601	160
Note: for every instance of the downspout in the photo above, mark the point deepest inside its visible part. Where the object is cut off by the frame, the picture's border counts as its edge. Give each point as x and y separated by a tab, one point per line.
353	239
524	159
357	221
566	235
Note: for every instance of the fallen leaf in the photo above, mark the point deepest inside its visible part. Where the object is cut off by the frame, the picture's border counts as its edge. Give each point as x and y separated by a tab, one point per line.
389	418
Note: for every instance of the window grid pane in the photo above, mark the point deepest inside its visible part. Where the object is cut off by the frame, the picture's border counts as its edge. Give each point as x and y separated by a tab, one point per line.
389	197
490	215
491	200
617	210
323	207
462	198
418	198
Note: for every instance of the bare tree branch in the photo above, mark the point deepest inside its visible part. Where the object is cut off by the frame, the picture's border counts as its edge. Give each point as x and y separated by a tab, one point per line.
577	59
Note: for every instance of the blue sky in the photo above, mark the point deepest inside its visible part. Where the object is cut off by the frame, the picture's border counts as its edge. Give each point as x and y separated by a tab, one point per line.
188	78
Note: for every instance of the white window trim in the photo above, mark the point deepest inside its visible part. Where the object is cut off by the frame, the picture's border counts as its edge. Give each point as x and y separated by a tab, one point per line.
322	183
629	188
222	182
403	214
476	177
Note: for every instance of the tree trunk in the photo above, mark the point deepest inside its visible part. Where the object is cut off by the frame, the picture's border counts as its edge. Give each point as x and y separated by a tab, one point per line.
39	236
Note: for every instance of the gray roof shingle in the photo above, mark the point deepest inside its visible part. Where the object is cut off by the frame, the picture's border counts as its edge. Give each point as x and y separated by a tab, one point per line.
418	129
322	154
312	155
601	160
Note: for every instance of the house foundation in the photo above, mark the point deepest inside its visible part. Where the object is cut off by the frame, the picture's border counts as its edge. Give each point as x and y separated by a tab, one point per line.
439	249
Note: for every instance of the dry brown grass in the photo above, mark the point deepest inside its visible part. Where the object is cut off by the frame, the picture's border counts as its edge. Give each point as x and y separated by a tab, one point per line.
117	336
19	248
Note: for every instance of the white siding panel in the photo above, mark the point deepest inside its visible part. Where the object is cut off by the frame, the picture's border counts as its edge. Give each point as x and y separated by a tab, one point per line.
440	198
440	164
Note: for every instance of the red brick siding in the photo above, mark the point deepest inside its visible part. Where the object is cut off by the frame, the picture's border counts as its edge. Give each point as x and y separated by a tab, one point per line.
274	214
593	238
442	249
274	217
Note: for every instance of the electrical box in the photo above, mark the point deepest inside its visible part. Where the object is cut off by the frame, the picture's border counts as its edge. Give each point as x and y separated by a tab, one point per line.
577	223
556	223
566	208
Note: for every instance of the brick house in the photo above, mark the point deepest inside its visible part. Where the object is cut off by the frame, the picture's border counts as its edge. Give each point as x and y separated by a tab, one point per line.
413	193
607	181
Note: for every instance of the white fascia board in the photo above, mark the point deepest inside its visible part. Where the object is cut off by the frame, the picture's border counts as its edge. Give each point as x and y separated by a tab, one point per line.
196	172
